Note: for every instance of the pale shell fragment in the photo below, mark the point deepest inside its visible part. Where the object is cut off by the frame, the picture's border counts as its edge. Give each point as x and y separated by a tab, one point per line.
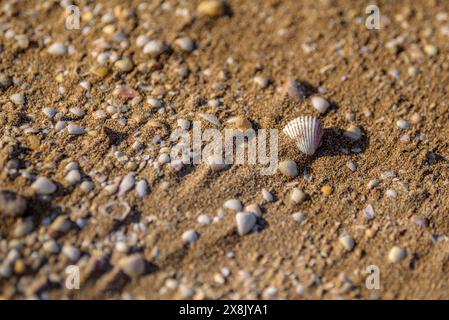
307	133
245	222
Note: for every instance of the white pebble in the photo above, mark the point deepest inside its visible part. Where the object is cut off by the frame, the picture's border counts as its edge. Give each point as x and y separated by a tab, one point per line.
255	209
73	177
142	188
154	48
403	124
18	99
190	236
297	196
204	219
391	193
233	204
75	129
320	104
57	49
267	195
396	254
132	266
43	186
49	112
347	242
185	44
71	252
126	184
245	222
299	216
288	168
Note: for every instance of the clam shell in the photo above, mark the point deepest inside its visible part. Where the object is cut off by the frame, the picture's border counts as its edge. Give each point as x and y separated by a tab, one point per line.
306	132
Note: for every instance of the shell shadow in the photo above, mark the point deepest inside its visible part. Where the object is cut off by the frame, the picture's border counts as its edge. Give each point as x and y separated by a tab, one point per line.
334	143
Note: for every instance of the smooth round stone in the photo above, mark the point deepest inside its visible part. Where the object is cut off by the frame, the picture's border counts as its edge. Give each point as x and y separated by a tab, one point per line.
57	49
43	186
245	222
211	8
391	193
204	219
155	103
12	204
396	254
185	44
127	184
154	48
267	195
190	236
233	204
124	65
297	196
299	216
75	129
61	225
87	186
288	168
320	104
133	266
73	177
142	188
71	252
347	242
18	99
403	124
142	40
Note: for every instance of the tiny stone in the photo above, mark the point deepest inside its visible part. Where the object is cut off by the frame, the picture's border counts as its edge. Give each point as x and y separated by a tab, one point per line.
71	252
245	222
60	226
124	65
347	242
43	186
142	188
288	168
299	216
50	247
18	99
126	184
268	196
372	184
77	111
23	228
353	133
255	209
297	196
403	124
351	165
73	177
75	129
57	49
133	266
185	44
396	254
233	204
49	112
326	190
190	236
211	8
320	104
121	247
430	50
261	81
204	219
154	48
86	186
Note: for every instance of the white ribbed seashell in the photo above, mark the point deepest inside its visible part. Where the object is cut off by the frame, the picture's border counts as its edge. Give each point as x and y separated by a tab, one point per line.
306	132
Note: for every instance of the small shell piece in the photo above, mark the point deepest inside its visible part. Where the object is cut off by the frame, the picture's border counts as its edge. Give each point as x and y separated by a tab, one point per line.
306	132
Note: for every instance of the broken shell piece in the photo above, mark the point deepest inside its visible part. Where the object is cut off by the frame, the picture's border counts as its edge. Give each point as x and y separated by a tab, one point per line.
353	133
108	209
306	132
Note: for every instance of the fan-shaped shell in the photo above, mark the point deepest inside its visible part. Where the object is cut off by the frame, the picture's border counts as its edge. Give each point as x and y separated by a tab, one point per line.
306	132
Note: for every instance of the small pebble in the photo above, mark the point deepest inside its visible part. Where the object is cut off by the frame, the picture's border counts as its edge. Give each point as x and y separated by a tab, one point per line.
126	184
185	44
71	252
396	254
57	49
267	196
351	166
347	242
320	104
255	209
261	81
73	177
154	48
403	124
124	65
18	99
75	129
245	222
49	112
299	216
211	8
233	204
190	236
288	168
204	219
326	190
391	193
43	186
353	133
297	196
133	266
142	188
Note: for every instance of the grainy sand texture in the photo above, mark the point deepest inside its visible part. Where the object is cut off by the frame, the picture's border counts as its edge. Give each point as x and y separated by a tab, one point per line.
94	204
